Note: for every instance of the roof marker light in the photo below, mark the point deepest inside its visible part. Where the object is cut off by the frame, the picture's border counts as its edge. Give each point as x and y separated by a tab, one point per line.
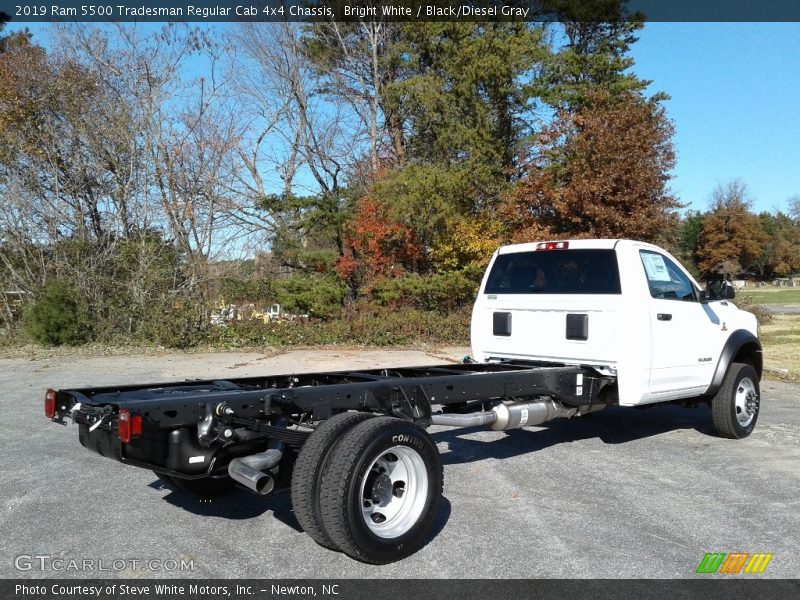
552	245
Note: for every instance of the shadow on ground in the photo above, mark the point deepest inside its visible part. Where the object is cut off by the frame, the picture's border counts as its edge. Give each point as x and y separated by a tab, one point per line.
612	426
238	505
242	504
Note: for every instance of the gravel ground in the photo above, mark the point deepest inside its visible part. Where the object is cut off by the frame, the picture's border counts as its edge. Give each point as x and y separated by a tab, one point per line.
622	493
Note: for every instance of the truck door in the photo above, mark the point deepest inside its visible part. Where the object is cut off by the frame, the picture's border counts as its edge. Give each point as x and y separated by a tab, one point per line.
684	331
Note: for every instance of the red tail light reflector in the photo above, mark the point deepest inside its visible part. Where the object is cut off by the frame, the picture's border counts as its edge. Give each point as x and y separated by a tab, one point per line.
128	427
50	404
552	245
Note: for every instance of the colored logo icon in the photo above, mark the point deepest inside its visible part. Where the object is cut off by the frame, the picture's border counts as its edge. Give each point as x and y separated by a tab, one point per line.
735	562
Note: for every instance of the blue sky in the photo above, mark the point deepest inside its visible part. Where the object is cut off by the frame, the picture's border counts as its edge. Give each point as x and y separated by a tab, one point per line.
735	91
735	103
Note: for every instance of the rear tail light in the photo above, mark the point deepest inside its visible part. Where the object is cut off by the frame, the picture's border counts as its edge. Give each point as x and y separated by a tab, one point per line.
128	427
552	245
50	404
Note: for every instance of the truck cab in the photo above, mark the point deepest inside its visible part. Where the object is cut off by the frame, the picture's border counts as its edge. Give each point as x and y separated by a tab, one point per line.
625	308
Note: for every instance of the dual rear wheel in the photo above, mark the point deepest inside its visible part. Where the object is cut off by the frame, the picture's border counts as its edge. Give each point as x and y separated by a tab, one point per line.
368	486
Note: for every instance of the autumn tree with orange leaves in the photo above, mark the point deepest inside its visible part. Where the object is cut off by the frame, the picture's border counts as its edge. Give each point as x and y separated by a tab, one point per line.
599	171
732	239
378	246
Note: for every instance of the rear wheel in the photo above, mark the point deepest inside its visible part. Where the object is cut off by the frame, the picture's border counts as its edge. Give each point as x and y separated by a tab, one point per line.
380	493
308	470
735	406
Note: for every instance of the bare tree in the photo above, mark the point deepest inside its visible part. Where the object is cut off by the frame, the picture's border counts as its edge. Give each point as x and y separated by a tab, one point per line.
794	207
356	63
309	142
115	143
733	195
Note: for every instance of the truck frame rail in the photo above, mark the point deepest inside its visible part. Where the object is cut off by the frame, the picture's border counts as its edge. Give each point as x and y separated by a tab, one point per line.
407	393
196	429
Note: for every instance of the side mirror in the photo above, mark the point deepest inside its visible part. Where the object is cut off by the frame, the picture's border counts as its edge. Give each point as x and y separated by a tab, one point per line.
719	290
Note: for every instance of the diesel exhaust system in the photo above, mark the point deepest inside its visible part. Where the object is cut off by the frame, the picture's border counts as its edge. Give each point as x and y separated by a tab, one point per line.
514	415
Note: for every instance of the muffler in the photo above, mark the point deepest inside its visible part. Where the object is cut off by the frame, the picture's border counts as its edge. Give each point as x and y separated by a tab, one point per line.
527	414
509	416
249	470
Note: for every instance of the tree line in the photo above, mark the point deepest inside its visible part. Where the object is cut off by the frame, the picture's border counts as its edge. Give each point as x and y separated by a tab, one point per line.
731	240
377	164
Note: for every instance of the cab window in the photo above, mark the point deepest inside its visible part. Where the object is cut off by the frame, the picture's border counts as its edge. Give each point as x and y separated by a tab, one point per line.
665	279
584	271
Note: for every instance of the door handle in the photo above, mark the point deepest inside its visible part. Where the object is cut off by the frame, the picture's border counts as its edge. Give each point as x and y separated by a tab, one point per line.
664	317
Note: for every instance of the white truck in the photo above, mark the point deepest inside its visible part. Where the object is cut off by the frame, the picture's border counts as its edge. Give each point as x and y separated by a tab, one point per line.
559	329
624	308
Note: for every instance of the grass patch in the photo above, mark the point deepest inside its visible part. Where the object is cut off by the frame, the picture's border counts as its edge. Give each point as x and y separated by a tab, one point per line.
781	342
772	295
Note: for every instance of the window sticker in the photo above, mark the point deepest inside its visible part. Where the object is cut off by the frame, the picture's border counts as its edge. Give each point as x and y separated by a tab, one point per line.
655	267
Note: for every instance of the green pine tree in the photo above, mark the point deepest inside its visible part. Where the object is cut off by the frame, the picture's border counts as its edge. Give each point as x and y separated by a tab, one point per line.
595	55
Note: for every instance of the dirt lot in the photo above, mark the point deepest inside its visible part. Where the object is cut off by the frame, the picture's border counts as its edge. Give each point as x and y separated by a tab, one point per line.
623	493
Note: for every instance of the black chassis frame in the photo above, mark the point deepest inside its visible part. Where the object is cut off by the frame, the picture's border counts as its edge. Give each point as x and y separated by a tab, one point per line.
262	405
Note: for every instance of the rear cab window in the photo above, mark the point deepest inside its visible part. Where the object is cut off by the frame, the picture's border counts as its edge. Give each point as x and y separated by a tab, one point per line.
579	271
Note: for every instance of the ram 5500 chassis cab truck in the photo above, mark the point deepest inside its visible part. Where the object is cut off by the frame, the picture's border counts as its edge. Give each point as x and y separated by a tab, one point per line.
559	329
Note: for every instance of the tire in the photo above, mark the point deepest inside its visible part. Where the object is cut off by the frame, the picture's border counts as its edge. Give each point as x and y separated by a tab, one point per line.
381	489
308	470
208	487
735	406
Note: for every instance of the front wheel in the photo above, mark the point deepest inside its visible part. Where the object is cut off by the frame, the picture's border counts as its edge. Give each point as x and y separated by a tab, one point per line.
735	406
380	493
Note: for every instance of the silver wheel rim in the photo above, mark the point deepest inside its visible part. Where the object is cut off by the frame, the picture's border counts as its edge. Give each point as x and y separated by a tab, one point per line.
746	402
394	491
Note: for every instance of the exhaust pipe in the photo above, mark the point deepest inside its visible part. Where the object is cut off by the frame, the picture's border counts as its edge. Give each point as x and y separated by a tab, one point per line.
510	416
249	470
468	420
